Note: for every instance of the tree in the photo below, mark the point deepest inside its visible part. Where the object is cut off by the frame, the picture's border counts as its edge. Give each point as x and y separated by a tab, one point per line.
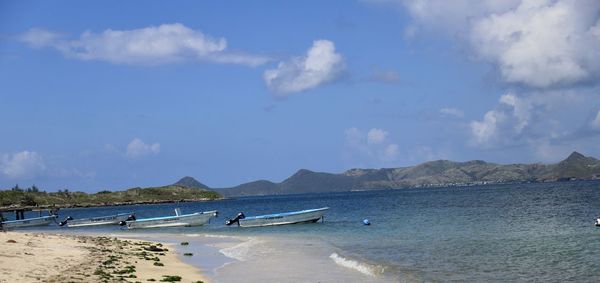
16	188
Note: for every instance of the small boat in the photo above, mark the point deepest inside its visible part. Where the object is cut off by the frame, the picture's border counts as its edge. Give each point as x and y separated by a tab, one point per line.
598	222
96	221
294	217
29	222
179	220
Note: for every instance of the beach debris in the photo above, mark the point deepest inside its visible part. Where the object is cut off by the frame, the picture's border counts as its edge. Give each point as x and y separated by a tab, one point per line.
170	278
184	243
11	241
153	248
188	254
159	263
366	222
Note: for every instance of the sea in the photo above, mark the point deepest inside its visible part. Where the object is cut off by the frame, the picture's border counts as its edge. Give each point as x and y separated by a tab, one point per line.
535	232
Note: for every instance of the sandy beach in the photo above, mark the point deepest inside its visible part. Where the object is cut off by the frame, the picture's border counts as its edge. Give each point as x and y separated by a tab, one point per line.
37	257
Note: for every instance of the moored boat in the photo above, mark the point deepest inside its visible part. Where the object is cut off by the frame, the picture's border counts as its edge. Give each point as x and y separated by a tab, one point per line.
179	220
293	217
96	221
28	222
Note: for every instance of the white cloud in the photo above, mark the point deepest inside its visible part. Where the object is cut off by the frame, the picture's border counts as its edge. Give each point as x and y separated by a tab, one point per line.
152	45
447	111
538	43
483	131
385	76
542	43
596	122
391	152
372	146
376	136
535	118
24	164
137	148
546	50
453	16
320	65
39	38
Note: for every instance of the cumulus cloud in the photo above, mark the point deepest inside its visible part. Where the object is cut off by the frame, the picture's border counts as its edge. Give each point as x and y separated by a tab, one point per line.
24	164
537	43
137	148
546	51
447	111
372	145
320	65
542	43
535	117
152	45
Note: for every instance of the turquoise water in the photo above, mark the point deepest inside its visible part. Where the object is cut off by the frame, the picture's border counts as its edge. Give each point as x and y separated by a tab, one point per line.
524	232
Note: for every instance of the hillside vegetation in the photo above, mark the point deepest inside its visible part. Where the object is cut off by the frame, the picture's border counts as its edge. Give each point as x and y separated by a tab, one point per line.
170	193
429	174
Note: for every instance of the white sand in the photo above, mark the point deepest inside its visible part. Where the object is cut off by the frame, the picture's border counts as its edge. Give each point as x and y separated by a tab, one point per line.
37	257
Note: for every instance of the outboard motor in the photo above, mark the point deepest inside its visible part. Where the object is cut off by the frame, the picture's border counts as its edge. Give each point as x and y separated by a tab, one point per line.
236	219
63	223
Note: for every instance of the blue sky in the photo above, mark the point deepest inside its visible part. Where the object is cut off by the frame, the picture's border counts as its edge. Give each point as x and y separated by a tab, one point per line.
118	94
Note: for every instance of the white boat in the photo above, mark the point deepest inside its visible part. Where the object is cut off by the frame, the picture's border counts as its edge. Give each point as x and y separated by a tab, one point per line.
302	216
179	220
96	221
36	221
598	222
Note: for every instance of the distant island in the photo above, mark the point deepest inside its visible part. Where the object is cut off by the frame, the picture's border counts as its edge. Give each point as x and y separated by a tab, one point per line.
440	173
186	189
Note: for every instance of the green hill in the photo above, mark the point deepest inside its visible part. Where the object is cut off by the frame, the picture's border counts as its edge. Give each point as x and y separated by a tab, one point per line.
190	182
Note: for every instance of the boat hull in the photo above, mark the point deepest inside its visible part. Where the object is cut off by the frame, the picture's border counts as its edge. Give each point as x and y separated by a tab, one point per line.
37	221
187	220
96	221
296	217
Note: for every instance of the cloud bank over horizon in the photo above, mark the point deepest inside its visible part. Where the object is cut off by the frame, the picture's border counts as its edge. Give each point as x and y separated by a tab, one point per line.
546	54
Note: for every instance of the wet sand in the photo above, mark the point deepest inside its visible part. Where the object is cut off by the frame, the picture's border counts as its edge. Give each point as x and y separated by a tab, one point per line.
270	259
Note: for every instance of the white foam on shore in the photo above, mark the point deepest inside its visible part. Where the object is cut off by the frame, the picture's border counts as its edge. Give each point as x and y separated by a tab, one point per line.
363	268
240	251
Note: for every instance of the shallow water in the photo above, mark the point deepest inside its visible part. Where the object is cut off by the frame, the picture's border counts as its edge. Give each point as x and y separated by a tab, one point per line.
523	232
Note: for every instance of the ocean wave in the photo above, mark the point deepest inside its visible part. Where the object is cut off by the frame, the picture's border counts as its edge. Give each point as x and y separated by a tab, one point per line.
218	236
361	267
240	251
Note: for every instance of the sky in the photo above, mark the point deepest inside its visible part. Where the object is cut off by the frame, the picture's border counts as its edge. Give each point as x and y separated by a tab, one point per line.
119	94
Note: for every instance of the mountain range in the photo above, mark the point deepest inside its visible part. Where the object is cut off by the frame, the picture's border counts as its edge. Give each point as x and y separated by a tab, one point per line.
429	174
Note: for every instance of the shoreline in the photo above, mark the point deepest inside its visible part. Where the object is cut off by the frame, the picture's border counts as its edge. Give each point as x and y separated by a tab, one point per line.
252	258
45	257
226	258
